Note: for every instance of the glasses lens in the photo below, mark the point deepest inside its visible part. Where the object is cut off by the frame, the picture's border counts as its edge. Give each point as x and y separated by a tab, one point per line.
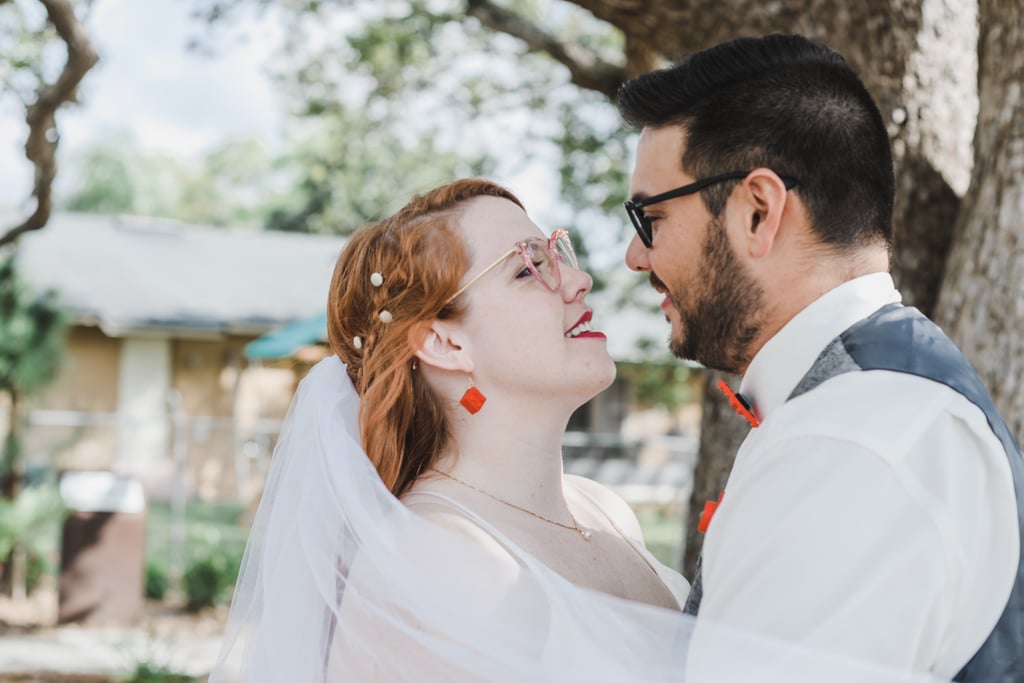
643	227
640	223
562	247
540	263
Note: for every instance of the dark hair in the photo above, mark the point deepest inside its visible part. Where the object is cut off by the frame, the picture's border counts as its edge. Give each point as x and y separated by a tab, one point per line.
420	258
785	103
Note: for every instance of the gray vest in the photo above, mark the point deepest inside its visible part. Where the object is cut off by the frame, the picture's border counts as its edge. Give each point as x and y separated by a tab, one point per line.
901	339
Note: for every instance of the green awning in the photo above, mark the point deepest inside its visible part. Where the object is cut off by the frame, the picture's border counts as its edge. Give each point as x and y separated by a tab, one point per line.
285	341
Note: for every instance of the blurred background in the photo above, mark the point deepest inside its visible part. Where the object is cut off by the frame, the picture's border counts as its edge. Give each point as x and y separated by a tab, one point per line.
177	178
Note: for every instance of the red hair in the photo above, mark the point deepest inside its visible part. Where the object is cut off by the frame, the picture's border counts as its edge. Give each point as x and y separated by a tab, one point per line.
420	254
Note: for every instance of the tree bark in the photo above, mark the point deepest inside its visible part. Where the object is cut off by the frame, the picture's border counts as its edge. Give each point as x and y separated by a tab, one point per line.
916	58
722	431
982	301
41	146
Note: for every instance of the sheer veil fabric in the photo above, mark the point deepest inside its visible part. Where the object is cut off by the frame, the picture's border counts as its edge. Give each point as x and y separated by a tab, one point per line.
341	582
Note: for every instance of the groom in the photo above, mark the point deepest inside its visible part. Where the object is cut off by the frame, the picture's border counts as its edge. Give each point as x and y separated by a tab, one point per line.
876	508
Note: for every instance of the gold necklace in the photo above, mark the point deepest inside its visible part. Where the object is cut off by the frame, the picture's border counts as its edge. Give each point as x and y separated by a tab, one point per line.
575	525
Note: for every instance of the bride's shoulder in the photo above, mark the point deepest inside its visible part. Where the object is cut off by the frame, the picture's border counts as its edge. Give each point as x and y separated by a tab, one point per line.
609	503
453	520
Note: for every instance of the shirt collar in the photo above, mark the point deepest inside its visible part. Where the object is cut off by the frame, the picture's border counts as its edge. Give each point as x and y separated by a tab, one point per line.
783	361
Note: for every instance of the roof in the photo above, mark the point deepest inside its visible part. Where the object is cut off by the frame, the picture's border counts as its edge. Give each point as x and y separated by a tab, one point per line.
132	275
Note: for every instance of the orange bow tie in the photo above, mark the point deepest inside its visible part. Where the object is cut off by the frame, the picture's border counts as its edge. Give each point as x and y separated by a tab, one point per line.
739	404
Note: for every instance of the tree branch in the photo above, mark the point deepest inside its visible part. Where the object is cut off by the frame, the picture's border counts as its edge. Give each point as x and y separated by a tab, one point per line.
586	69
41	146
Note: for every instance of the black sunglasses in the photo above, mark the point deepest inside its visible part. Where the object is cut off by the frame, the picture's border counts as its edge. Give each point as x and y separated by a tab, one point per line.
642	224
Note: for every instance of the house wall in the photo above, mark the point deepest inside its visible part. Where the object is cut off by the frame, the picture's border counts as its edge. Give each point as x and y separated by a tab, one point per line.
230	414
135	405
72	423
199	403
144	379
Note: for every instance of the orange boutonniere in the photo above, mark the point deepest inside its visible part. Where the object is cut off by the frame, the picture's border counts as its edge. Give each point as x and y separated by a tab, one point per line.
708	512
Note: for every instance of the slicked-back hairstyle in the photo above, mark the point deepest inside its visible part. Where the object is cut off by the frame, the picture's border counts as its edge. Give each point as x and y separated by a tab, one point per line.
786	103
420	256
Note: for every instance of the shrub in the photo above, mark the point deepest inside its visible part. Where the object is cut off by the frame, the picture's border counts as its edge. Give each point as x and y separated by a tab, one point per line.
156	582
37	568
202	583
209	580
147	673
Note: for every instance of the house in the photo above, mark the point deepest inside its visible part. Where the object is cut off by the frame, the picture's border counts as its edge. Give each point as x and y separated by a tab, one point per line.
155	379
168	375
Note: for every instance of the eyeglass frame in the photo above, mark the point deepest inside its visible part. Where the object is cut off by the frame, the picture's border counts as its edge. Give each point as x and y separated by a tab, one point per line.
520	248
642	224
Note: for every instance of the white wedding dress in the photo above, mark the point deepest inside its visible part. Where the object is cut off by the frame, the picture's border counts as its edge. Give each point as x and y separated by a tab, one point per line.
342	582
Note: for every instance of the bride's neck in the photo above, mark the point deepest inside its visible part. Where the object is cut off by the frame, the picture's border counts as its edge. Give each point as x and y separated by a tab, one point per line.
515	459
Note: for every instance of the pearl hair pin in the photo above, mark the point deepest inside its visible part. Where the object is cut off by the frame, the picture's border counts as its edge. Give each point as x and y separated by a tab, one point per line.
376	279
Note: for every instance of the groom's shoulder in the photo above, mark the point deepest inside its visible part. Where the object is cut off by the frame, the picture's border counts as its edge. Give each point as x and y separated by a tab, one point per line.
882	410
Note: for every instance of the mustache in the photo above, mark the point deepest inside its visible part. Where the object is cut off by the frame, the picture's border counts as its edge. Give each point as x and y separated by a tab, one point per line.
657	283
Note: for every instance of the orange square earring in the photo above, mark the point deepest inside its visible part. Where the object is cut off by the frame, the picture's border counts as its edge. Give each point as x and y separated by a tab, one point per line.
473	400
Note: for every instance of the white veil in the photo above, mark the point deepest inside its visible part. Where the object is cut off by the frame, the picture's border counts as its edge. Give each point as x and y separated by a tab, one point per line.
341	582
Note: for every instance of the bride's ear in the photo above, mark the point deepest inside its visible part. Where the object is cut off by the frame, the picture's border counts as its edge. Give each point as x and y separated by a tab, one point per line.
442	345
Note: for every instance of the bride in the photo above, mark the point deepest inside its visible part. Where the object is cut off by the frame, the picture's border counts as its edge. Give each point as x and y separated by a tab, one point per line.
417	524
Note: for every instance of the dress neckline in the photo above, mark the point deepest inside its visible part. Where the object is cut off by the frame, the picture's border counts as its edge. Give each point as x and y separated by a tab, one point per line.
527	559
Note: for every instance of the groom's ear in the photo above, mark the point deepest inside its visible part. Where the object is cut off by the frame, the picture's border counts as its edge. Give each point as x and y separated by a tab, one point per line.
442	345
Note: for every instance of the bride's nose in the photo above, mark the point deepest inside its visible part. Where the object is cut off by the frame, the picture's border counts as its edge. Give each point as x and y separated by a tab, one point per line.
575	283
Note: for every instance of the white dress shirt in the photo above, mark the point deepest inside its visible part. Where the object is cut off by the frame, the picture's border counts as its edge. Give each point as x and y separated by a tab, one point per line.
873	516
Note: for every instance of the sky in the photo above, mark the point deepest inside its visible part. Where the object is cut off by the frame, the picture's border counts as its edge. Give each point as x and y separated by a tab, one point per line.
147	85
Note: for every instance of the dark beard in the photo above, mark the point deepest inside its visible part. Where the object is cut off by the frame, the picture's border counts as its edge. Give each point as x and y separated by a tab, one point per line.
725	319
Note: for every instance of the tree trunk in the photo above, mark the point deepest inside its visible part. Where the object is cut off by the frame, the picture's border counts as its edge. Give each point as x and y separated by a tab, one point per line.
982	300
13	474
916	57
721	432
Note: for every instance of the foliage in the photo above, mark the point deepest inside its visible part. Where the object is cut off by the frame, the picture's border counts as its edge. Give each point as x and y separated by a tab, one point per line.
670	384
234	184
31	333
209	528
662	528
156	582
209	580
46	54
32	329
30	48
413	94
29	528
352	171
38	567
149	673
37	511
